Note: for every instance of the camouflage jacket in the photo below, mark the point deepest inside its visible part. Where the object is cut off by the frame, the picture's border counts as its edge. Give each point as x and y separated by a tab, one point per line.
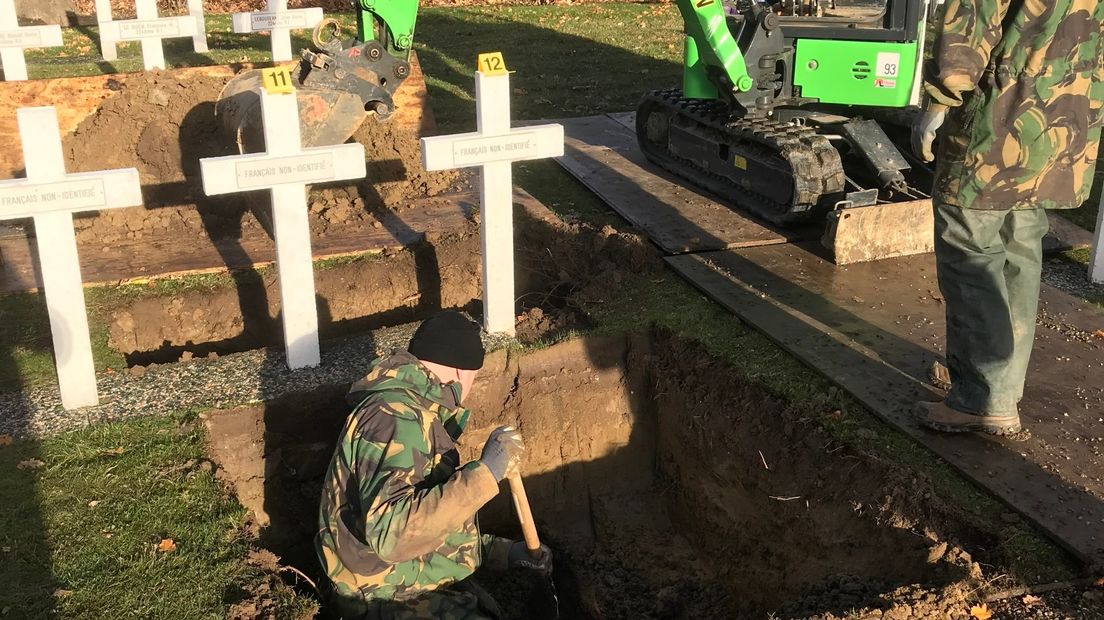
397	518
1027	80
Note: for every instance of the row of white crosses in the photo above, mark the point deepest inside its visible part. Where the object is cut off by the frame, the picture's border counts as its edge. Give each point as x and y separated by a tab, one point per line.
150	29
51	197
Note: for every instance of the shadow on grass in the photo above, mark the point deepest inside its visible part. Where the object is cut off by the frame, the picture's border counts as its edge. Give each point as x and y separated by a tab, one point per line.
26	567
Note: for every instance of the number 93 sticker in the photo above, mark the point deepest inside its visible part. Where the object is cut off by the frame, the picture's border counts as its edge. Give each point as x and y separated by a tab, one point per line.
887	70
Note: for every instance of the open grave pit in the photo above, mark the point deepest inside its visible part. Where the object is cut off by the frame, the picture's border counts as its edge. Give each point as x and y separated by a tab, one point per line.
668	486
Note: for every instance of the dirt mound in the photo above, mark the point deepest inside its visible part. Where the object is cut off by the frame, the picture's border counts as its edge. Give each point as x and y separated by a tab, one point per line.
163	125
645	468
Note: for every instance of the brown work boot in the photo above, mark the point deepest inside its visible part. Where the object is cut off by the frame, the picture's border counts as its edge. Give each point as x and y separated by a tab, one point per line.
940	417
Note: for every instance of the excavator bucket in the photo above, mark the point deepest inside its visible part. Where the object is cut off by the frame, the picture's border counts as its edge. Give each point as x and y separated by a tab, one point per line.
326	116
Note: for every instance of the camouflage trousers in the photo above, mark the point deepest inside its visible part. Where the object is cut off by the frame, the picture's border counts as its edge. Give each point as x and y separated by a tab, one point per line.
989	265
464	600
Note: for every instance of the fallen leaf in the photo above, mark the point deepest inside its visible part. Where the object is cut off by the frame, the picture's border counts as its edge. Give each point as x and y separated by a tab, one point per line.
112	451
94	503
59	593
1031	599
981	612
6	440
1099	582
106	533
1098	333
31	464
166	546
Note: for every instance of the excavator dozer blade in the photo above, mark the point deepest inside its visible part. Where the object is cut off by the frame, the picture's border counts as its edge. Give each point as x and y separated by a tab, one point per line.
325	116
875	232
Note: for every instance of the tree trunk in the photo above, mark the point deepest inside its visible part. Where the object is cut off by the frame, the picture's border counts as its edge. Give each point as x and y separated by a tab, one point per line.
44	11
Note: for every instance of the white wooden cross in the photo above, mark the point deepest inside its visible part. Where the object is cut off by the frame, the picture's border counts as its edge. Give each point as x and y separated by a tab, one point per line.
280	21
14	39
51	197
1096	262
493	147
285	169
150	29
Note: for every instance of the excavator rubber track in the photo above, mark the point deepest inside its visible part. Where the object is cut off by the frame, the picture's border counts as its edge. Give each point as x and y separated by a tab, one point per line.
784	172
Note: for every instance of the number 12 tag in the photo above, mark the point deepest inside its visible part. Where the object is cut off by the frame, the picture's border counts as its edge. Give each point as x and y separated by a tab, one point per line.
277	81
491	64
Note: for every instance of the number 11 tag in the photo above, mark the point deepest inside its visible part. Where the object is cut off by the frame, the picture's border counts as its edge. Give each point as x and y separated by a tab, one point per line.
277	81
491	64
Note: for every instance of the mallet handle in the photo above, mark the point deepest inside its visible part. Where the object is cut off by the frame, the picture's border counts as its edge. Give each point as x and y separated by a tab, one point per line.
525	515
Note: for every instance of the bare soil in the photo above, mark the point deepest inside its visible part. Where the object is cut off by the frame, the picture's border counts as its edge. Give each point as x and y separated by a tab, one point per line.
554	263
668	486
163	126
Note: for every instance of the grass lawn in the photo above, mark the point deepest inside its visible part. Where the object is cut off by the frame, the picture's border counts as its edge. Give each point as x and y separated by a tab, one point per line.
61	555
84	518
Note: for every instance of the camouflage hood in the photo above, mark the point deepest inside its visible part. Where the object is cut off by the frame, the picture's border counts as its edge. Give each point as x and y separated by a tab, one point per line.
402	371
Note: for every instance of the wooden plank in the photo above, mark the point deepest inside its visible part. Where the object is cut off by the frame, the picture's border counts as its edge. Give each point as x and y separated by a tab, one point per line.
78	98
603	154
874	329
165	256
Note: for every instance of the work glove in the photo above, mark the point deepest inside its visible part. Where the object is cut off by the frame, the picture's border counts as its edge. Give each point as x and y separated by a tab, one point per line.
502	452
924	129
520	557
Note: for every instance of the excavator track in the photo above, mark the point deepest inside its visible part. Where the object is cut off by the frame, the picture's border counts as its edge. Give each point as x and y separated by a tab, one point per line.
783	172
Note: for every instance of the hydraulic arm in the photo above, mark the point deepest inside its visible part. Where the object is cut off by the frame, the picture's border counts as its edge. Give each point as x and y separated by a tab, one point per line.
340	81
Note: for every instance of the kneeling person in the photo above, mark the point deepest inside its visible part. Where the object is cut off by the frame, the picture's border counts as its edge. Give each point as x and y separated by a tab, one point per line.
398	535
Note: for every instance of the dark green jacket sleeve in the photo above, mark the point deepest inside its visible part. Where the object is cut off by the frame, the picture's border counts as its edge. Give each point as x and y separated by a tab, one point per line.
965	39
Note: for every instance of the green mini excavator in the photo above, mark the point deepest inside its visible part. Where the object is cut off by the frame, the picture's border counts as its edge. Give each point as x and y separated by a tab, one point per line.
784	108
339	81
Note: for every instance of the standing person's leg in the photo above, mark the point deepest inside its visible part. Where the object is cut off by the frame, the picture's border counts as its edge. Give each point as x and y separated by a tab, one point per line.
1023	245
971	262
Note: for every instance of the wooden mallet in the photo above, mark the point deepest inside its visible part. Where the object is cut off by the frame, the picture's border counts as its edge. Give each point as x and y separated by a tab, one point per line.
525	515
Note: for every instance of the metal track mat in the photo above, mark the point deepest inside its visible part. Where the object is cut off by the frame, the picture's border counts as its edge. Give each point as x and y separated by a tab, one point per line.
602	153
874	329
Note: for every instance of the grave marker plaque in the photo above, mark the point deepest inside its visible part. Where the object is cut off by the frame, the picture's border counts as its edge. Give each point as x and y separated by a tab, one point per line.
51	196
285	169
14	39
279	21
150	29
493	147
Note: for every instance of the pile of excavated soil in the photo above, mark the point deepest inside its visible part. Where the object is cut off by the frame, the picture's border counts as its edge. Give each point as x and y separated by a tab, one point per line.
668	486
163	125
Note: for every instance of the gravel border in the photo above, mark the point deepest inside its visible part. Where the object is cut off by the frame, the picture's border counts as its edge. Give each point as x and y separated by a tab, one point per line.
226	381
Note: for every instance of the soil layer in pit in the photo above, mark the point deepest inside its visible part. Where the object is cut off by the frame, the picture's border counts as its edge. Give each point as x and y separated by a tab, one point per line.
163	125
668	487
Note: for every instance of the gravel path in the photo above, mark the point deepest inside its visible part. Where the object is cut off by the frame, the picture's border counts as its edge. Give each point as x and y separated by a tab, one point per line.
200	384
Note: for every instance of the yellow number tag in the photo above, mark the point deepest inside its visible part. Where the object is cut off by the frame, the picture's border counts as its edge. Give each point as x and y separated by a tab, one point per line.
277	81
492	64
